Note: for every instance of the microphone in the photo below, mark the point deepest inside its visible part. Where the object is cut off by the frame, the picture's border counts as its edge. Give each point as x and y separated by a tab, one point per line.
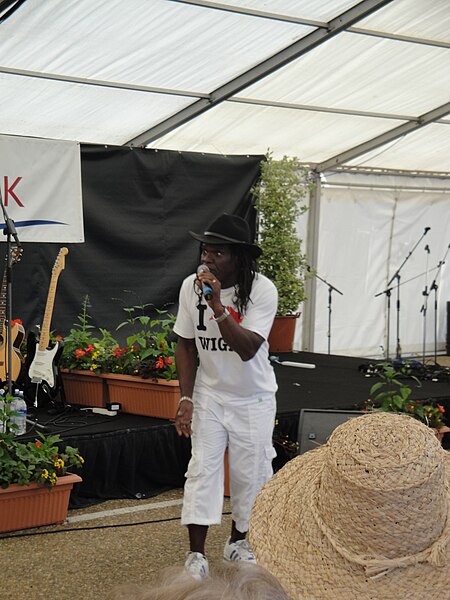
207	290
427	249
427	229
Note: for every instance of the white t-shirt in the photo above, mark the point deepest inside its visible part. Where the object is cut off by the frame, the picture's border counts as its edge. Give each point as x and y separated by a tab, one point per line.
221	371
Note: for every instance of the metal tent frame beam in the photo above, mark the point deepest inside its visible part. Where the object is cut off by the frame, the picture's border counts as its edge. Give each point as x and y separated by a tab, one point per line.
275	62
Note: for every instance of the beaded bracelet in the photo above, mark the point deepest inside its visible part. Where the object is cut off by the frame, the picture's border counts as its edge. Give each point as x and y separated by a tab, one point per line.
188	398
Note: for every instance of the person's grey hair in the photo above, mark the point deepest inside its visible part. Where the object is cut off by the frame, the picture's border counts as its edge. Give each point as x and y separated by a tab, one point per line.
230	581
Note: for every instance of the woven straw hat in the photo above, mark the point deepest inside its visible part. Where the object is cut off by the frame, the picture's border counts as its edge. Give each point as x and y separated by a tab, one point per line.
365	516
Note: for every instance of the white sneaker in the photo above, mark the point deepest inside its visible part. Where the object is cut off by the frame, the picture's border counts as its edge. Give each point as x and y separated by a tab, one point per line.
197	565
240	550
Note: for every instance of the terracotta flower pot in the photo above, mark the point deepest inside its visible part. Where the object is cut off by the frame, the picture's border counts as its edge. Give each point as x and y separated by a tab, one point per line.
147	397
25	506
281	336
85	388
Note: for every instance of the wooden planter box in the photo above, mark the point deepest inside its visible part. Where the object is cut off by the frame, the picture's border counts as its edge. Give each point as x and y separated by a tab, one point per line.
146	397
84	388
25	506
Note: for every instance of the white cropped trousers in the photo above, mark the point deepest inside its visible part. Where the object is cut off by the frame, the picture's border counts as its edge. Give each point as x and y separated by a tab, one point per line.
246	427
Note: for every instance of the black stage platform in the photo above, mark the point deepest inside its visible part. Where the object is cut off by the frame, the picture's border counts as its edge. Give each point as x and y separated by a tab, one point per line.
128	456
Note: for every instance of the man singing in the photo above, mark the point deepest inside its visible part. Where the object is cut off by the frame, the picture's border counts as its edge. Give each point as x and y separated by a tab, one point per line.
228	385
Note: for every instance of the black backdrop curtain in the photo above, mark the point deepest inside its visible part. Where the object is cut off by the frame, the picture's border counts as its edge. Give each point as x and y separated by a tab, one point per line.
138	207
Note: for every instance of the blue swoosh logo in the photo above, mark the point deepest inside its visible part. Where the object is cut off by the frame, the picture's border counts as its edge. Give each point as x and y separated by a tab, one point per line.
35	222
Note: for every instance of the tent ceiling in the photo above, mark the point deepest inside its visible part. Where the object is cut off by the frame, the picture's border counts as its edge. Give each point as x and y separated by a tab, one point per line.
333	82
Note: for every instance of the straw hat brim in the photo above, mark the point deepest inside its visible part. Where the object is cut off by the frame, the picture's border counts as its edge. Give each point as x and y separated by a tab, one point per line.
289	543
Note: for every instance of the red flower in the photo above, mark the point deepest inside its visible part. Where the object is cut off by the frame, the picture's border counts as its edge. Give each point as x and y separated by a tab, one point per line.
79	353
89	348
440	408
37	443
168	361
160	363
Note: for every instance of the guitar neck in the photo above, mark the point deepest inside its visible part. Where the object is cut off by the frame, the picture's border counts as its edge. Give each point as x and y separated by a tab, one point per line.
3	303
44	337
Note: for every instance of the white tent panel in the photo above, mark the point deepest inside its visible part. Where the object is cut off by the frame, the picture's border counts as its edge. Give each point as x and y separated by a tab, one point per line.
426	149
158	43
408	17
318	10
366	235
232	127
127	70
361	73
59	110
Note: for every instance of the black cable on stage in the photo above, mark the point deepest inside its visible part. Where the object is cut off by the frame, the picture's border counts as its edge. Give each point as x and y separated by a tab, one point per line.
21	535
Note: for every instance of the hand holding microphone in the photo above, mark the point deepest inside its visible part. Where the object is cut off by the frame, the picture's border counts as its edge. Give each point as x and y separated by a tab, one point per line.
206	288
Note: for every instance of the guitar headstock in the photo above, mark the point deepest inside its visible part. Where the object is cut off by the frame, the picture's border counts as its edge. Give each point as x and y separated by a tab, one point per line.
60	261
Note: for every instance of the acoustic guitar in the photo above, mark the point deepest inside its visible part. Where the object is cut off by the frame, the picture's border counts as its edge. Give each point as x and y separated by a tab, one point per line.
17	330
44	358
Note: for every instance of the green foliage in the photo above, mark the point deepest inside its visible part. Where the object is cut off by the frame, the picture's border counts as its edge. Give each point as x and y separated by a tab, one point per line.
391	394
279	194
149	350
82	348
39	461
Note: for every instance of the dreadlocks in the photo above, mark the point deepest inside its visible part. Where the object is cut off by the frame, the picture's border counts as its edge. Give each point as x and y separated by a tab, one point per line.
246	271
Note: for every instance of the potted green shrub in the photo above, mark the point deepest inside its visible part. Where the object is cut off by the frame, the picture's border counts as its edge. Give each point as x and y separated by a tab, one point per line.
280	195
35	478
392	394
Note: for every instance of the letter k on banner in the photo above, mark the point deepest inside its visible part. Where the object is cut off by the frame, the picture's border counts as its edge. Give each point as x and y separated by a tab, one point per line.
40	187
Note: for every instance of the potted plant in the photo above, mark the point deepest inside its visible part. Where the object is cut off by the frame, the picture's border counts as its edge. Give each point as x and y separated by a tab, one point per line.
34	476
84	357
280	195
392	394
140	376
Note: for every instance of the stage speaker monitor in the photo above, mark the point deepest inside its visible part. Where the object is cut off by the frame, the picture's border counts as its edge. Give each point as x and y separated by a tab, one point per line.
316	425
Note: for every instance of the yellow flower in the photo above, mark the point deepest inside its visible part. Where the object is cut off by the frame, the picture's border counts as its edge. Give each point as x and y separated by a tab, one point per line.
58	464
45	474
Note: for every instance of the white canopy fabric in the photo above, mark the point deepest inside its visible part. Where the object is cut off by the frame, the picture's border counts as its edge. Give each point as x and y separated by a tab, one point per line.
333	82
357	90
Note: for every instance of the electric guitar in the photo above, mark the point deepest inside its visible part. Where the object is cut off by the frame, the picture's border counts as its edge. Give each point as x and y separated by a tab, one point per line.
17	330
43	367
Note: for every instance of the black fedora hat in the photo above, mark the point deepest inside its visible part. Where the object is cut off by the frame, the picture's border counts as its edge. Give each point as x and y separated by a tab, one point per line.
229	229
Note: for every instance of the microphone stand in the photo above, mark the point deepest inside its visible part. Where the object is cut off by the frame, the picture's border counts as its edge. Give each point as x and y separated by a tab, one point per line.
10	231
434	287
423	310
388	328
330	291
397	277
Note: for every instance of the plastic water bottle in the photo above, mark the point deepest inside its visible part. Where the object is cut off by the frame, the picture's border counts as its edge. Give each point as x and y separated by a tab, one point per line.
20	407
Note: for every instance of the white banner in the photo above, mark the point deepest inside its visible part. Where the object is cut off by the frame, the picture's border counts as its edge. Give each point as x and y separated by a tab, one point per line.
40	185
